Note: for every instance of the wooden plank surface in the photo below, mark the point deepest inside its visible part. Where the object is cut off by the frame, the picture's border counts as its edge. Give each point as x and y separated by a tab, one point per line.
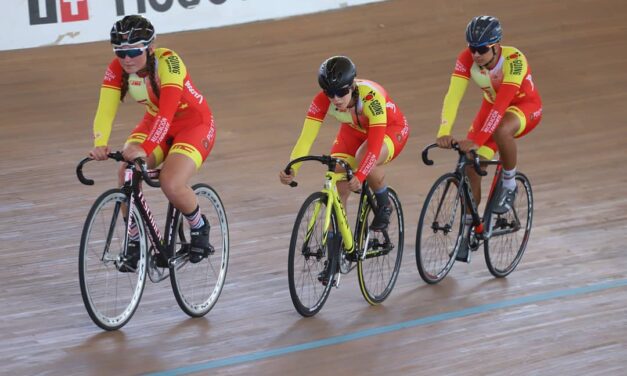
259	79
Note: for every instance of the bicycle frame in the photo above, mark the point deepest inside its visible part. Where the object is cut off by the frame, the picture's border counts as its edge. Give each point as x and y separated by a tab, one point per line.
132	188
133	177
465	188
334	202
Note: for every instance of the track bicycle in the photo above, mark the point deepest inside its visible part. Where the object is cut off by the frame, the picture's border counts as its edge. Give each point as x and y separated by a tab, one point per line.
317	259
442	229
112	286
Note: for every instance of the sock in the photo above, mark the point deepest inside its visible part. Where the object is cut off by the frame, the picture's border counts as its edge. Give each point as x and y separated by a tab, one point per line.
509	181
195	219
382	196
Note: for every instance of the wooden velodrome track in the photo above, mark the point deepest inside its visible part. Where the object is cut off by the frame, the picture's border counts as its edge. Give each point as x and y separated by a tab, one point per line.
563	311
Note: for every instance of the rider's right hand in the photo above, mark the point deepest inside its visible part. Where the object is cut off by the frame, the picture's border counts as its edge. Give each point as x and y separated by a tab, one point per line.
286	178
100	153
445	142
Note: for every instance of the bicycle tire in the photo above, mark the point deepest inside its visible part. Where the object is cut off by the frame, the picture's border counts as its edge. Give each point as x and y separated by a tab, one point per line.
100	230
197	286
506	245
304	267
435	255
379	266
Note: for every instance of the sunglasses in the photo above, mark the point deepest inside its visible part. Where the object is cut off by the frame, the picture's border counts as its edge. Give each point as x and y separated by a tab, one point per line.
131	52
481	49
337	92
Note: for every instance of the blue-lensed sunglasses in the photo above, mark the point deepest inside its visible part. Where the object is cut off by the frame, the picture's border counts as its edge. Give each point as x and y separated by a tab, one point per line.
131	52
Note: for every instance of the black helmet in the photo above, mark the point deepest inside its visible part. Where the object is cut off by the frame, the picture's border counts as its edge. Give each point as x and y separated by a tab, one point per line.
131	30
335	73
483	31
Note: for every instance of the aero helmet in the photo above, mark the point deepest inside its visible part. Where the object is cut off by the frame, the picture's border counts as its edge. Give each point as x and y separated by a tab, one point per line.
131	30
337	72
483	31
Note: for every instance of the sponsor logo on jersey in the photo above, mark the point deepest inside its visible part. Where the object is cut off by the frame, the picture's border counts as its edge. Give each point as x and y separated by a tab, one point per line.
313	109
460	67
513	56
491	122
375	107
369	96
109	75
193	92
516	67
174	64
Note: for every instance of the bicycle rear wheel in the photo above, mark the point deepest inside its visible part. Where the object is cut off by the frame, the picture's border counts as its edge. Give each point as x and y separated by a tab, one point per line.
310	253
509	232
110	296
197	286
378	266
440	229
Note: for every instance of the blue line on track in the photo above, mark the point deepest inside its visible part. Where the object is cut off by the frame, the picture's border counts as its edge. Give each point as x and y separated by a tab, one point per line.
261	355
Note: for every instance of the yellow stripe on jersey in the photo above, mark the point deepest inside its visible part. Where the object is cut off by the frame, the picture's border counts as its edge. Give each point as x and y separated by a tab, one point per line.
308	135
107	108
456	90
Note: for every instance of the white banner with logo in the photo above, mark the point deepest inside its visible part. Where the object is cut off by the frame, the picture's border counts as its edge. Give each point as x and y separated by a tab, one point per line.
36	23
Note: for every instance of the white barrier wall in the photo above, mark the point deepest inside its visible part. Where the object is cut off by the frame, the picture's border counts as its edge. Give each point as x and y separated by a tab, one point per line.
36	23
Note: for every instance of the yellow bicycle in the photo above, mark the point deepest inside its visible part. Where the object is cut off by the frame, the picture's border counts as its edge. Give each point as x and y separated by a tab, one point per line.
323	246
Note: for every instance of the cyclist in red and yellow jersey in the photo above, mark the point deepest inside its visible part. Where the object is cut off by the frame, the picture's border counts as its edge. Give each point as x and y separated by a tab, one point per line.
511	105
373	130
176	130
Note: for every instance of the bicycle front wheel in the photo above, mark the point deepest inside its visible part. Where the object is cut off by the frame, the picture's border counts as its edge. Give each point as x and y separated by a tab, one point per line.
197	286
110	292
509	232
440	229
310	268
380	252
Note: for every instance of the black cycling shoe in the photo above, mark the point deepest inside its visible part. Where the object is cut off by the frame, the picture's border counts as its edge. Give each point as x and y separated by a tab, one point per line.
325	275
131	258
505	200
199	244
381	219
463	253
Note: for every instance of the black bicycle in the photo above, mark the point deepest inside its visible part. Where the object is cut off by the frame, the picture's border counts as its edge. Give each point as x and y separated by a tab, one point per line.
442	229
316	261
112	284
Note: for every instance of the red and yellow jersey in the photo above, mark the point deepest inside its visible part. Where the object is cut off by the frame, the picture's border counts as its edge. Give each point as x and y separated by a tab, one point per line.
178	98
508	83
373	111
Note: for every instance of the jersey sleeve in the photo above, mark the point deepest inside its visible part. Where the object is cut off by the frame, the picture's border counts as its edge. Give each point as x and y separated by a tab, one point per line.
514	71
172	73
315	115
108	103
455	94
374	109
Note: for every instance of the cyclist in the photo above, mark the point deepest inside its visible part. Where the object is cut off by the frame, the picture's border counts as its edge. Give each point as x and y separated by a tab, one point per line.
511	105
176	130
373	130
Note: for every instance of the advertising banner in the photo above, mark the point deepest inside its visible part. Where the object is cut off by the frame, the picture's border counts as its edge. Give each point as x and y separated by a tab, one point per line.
36	23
